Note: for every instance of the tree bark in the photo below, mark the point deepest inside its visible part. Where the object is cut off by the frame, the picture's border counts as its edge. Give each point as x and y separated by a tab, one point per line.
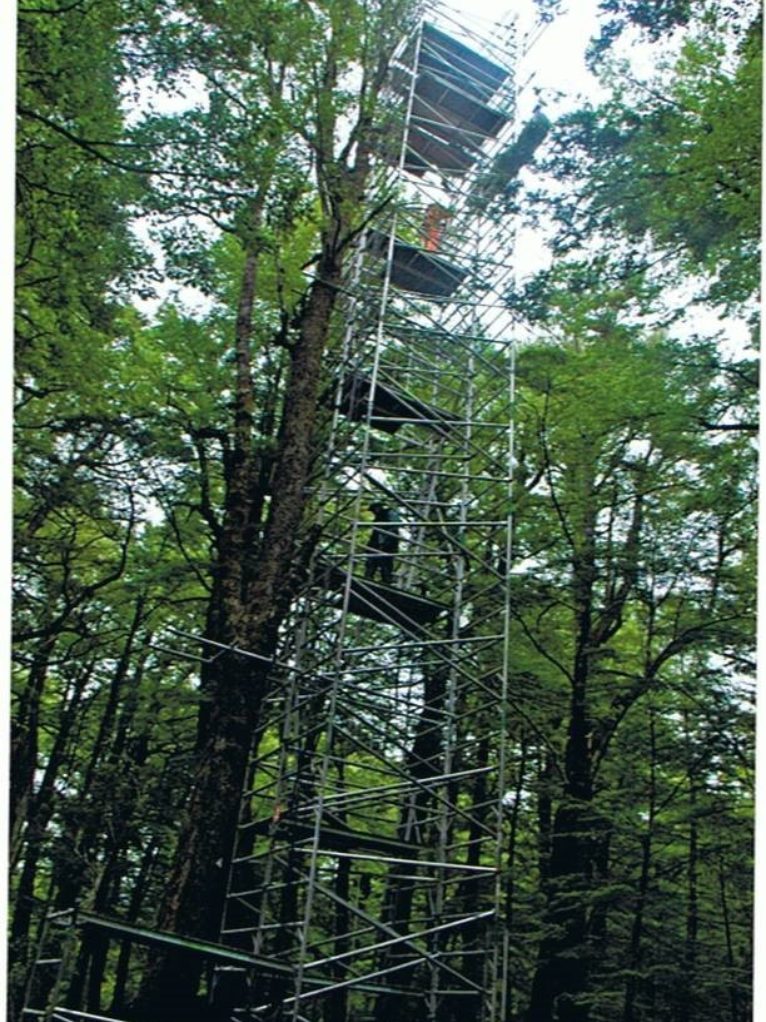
561	975
251	608
687	999
40	812
24	727
510	889
635	955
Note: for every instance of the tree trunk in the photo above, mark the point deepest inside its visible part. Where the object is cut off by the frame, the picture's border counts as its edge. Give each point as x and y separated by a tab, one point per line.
137	898
252	606
24	728
635	954
544	819
41	810
733	993
687	999
101	797
91	963
562	972
469	896
510	889
597	923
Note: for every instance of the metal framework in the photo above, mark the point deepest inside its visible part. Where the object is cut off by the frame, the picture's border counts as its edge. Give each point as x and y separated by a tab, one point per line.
366	875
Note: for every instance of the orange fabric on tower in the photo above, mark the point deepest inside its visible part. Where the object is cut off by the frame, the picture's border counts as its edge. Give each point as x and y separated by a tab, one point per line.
433	226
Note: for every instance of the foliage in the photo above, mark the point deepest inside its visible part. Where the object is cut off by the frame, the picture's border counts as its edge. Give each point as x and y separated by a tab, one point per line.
669	168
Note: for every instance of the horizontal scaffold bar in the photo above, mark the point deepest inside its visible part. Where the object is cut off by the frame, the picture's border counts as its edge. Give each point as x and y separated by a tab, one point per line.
401	939
404	786
396	860
162	938
335	837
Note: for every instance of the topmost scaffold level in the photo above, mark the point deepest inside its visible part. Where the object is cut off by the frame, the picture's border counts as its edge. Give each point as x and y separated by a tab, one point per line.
449	117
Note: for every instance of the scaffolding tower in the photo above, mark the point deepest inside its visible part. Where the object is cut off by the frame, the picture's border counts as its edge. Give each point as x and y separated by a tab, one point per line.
366	877
369	853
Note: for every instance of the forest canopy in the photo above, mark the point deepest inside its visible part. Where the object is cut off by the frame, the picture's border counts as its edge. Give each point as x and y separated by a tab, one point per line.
199	184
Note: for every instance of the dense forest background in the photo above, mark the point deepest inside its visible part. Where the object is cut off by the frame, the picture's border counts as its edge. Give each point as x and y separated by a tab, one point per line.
160	463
